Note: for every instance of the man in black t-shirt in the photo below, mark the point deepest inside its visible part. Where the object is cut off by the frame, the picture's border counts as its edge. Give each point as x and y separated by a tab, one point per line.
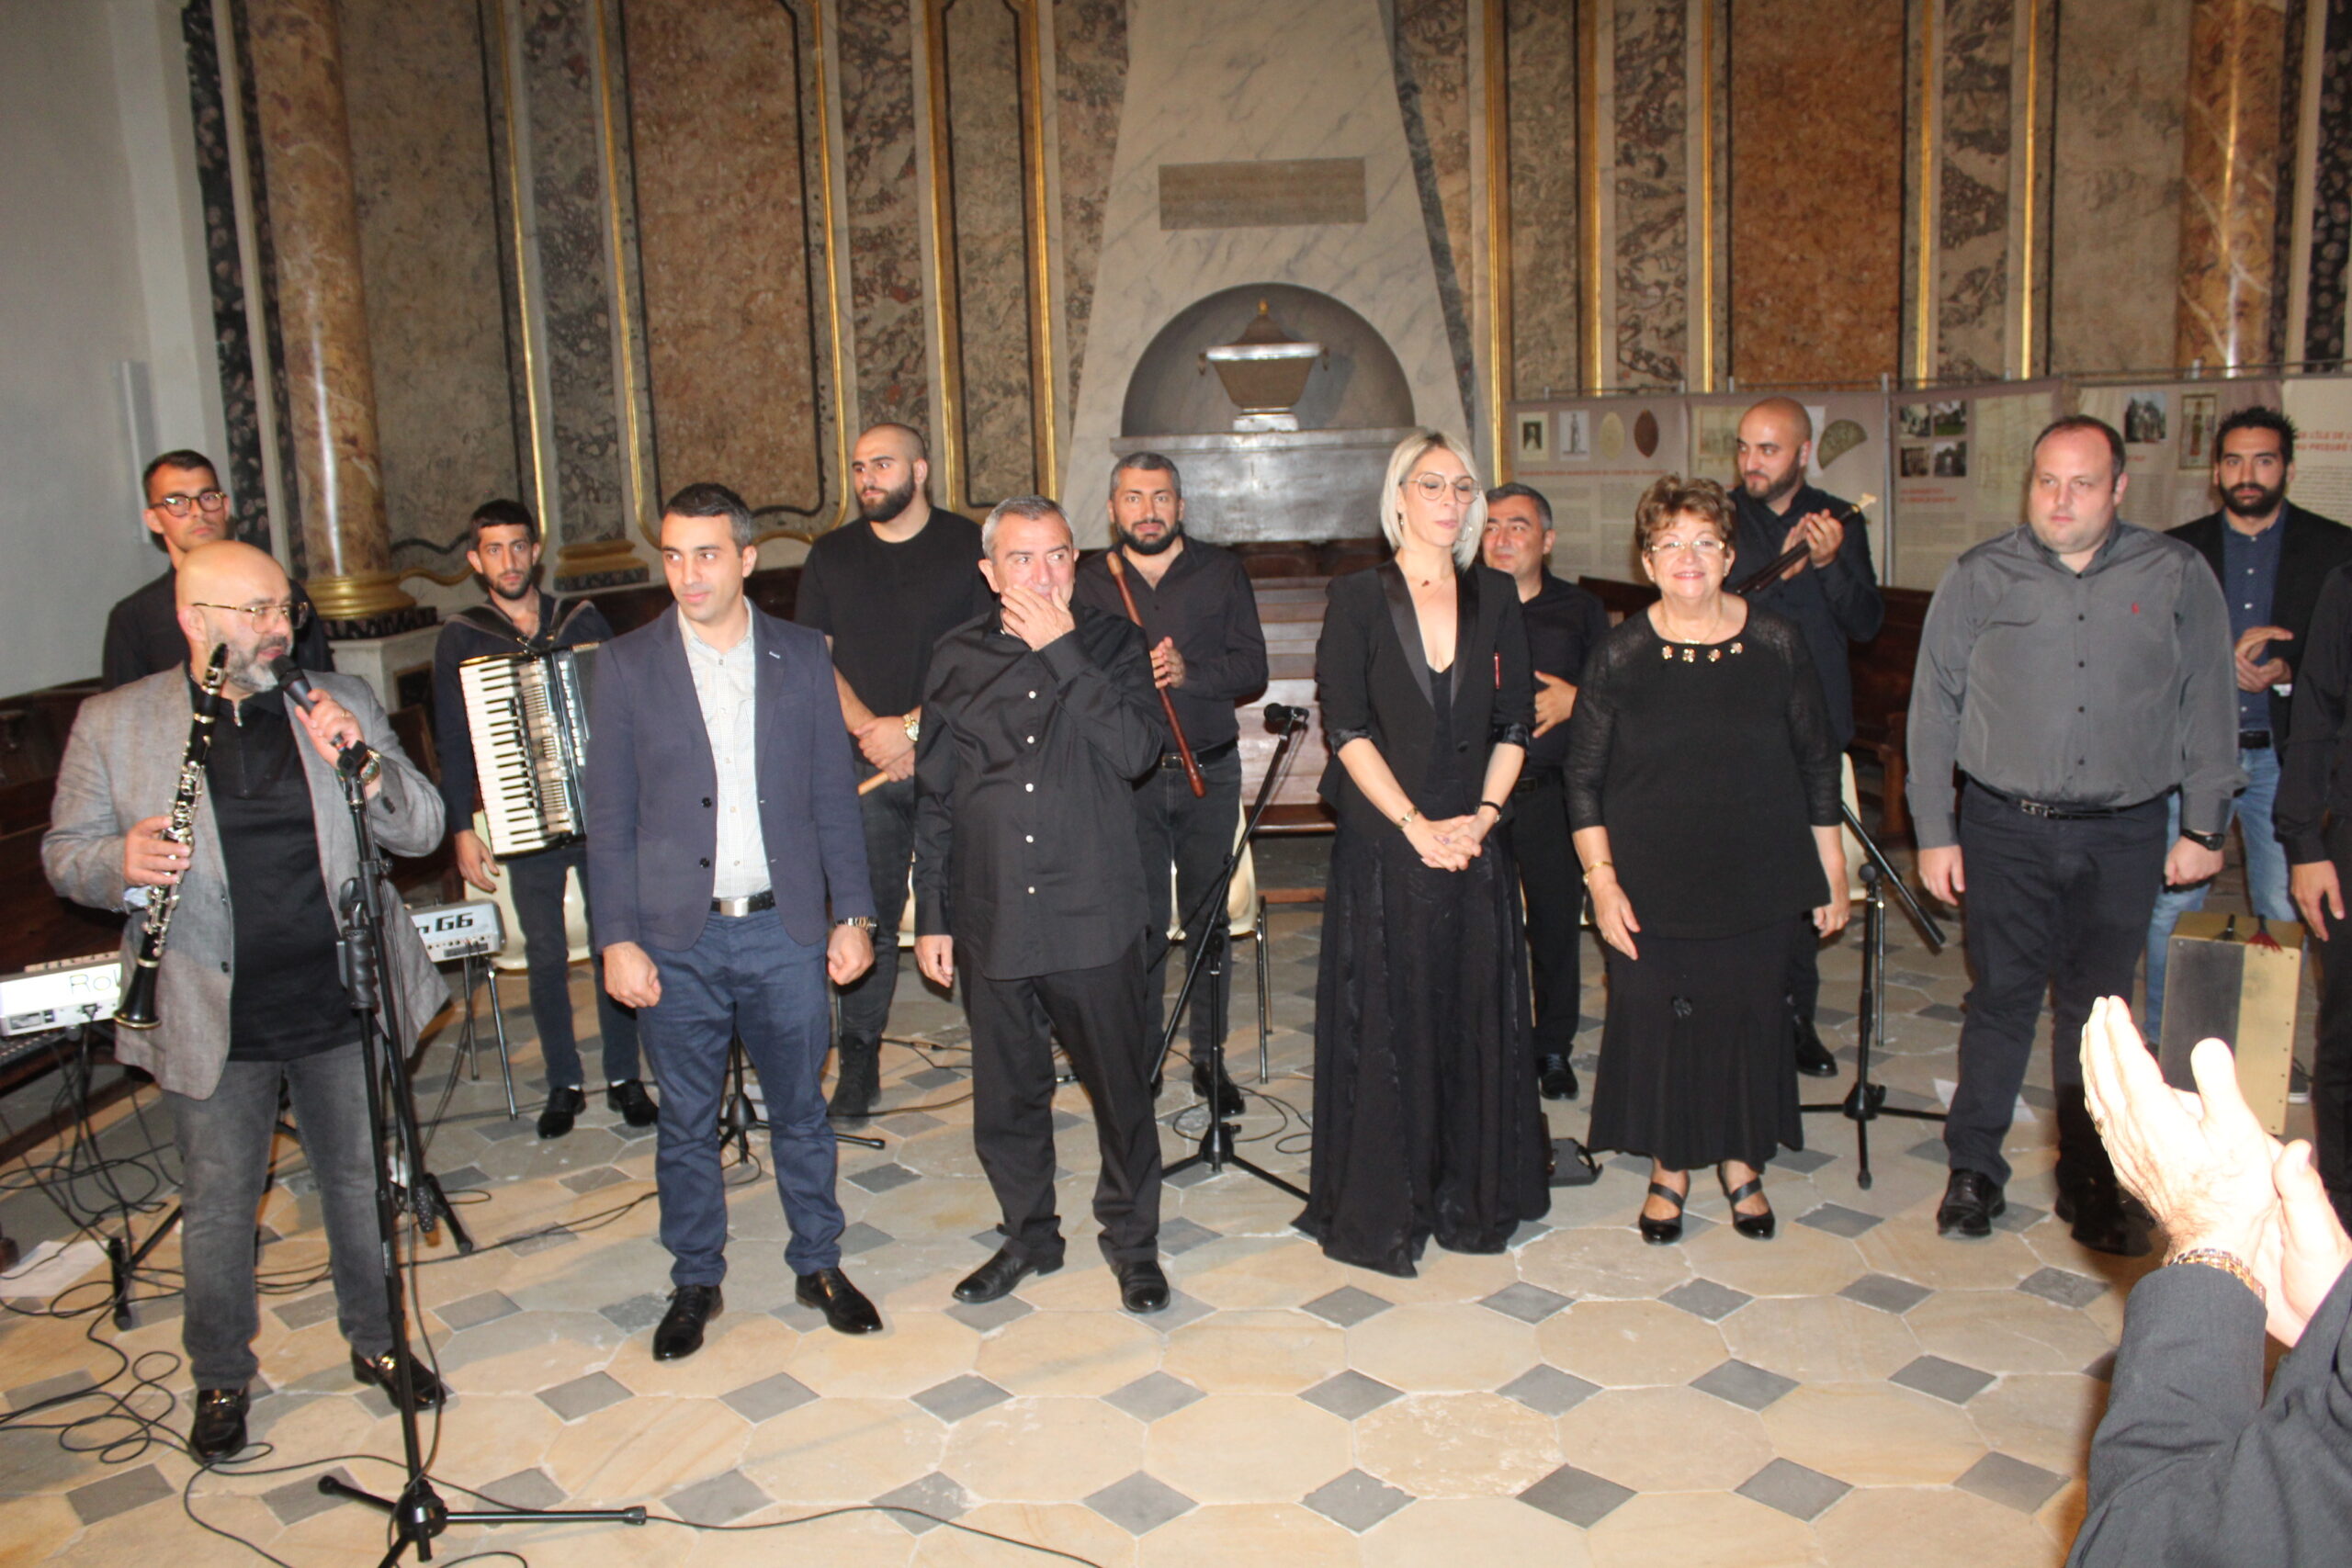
884	590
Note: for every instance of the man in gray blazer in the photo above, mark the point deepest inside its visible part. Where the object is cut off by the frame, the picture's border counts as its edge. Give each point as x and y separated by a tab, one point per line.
249	995
721	824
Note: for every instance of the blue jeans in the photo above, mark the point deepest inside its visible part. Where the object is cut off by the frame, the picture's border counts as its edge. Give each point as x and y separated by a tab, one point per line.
742	976
224	1144
2266	875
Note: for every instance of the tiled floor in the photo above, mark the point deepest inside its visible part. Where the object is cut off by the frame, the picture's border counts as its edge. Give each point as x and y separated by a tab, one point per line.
1854	1391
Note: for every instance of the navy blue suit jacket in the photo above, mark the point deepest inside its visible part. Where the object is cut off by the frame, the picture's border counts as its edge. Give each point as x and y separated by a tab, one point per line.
653	816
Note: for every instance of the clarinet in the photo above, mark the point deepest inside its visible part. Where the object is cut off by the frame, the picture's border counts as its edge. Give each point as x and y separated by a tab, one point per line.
137	1007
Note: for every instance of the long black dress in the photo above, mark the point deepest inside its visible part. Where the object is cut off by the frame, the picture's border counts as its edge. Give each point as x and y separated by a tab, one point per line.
1709	764
1426	1115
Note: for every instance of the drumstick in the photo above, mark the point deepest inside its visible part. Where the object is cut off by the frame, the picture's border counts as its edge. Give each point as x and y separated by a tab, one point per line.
1183	747
1796	552
877	782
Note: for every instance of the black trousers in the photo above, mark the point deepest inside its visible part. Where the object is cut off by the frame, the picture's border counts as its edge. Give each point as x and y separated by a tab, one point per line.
1802	979
1552	881
536	883
888	816
1098	1016
2056	907
1197	835
2332	1059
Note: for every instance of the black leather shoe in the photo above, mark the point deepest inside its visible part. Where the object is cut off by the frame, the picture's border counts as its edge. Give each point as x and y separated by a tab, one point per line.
629	1100
2095	1212
994	1280
1662	1232
845	1307
219	1429
1972	1201
426	1391
679	1334
1813	1059
1556	1077
1756	1227
858	1086
563	1105
1142	1286
1228	1094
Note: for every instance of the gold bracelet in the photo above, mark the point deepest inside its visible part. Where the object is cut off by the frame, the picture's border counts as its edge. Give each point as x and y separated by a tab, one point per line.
2227	1262
1595	866
1407	821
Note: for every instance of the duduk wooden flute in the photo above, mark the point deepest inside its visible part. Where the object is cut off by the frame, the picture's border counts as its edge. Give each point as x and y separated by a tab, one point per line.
1796	552
1175	728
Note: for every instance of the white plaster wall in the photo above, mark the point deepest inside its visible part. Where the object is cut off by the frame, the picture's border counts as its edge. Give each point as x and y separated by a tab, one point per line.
1212	81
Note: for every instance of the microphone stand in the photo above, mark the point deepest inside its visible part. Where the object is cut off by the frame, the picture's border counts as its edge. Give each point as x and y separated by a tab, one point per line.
418	1513
1216	1149
1866	1101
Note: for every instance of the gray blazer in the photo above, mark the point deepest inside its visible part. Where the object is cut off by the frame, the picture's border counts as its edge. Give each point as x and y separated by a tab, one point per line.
122	765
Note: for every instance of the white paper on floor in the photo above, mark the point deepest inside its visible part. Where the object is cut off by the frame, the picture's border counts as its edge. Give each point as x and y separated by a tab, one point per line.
50	1267
1946	1088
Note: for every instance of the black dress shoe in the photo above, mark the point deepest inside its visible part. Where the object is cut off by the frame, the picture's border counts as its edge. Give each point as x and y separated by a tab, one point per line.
1972	1201
219	1429
1813	1059
1756	1227
1662	1232
2096	1211
1142	1286
994	1280
845	1307
426	1391
679	1334
629	1101
1556	1077
563	1105
858	1086
1227	1097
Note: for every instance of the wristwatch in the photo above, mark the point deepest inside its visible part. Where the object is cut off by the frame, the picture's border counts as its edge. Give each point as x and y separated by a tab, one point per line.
913	726
2206	841
865	923
371	770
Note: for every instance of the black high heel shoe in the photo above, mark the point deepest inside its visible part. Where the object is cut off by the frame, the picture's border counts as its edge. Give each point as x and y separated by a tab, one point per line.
1756	1227
1664	1233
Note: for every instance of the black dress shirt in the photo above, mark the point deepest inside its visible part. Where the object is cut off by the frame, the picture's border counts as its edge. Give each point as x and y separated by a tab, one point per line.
885	605
1833	606
1205	603
288	998
472	633
2315	762
1025	799
1564	624
143	635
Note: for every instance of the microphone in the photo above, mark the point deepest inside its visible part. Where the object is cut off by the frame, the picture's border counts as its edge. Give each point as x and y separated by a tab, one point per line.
1282	718
296	686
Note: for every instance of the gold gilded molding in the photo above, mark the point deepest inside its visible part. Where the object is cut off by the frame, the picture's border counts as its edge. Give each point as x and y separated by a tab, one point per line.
1923	331
1704	303
834	303
624	319
1045	417
1495	49
947	429
1590	356
2027	270
359	595
526	303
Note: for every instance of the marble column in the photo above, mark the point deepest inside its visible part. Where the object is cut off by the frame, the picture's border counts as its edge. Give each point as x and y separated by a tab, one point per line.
306	152
2229	196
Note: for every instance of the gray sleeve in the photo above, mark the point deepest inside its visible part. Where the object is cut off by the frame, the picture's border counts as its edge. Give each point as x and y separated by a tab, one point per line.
2209	704
1939	687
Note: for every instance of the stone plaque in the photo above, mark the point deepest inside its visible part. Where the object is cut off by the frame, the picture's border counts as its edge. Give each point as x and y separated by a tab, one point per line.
1262	193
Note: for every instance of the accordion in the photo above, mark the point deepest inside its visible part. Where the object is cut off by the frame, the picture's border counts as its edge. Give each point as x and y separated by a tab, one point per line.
528	716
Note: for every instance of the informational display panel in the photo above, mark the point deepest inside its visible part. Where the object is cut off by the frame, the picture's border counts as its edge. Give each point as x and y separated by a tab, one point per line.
2321	407
1960	454
2168	428
1593	458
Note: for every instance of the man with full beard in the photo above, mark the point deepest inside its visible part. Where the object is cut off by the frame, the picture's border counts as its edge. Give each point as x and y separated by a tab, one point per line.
1831	593
519	618
2271	556
1200	621
884	590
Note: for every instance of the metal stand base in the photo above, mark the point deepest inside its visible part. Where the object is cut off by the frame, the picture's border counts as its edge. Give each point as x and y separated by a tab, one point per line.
419	1514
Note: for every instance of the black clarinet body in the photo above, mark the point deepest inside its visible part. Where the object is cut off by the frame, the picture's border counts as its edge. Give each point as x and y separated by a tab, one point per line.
137	1009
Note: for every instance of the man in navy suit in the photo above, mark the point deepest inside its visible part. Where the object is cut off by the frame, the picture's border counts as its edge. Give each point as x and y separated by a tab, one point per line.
721	824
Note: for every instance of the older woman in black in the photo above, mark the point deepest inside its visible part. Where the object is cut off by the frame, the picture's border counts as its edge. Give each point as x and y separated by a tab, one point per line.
1702	785
1426	1120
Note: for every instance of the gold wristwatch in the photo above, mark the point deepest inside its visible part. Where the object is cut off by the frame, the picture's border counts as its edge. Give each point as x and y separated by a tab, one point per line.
913	726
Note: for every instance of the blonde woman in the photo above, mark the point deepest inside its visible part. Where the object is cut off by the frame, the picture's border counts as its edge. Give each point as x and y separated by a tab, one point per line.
1426	1120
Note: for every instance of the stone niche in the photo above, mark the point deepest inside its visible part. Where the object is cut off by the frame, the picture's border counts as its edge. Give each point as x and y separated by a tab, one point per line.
1319	481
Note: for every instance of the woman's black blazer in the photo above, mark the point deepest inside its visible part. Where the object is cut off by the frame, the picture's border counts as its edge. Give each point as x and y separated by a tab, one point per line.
1374	683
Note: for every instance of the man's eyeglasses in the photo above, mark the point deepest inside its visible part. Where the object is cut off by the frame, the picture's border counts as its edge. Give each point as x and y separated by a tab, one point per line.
1707	545
295	612
1433	487
206	499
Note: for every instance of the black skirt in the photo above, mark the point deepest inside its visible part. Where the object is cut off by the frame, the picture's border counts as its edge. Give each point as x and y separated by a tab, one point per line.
1427	1120
1697	1055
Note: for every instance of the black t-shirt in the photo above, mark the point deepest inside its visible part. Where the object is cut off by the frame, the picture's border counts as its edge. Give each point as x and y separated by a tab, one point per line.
885	605
288	998
1564	624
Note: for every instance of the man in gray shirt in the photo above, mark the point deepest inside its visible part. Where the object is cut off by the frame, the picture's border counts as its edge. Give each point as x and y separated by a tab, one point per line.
2076	672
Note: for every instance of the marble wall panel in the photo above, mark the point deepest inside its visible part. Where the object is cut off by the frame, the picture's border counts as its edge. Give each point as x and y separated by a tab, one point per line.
724	207
991	235
1652	178
2324	328
1542	46
885	258
1433	60
240	462
2229	193
429	252
1972	218
2122	87
270	360
1816	188
1091	82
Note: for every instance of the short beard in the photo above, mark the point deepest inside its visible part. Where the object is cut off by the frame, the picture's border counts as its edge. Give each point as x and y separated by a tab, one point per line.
518	595
893	503
1166	542
1781	492
252	670
2262	505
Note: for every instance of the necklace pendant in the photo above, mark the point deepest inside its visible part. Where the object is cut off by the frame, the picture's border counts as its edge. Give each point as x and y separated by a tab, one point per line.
1665	653
1713	654
1737	648
1688	658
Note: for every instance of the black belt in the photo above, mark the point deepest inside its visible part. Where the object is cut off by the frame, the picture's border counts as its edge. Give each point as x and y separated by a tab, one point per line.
756	904
1532	779
2060	811
1205	755
2253	740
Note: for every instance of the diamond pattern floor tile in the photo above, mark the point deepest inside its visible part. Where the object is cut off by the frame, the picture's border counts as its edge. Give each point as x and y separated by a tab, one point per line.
1886	1293
119	1494
1549	1390
1141	1504
1528	1303
1350	1394
923	1503
1946	1380
1705	1298
2022	1486
1577	1496
769	1397
1736	1382
719	1500
1347	1306
2063	1286
959	1397
1356	1500
584	1396
1800	1492
1153	1395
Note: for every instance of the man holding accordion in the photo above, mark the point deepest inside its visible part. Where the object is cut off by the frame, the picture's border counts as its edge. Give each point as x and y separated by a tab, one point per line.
249	994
